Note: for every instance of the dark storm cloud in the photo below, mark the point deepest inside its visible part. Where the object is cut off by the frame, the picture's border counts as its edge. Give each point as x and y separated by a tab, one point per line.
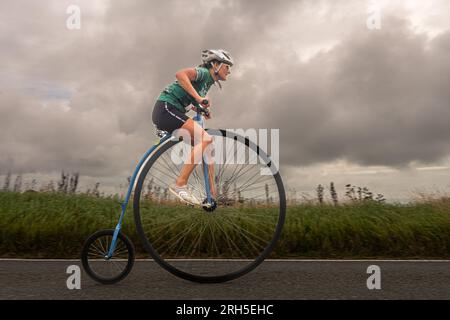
375	98
112	69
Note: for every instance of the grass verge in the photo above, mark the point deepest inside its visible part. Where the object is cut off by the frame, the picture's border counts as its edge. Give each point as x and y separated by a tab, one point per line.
52	225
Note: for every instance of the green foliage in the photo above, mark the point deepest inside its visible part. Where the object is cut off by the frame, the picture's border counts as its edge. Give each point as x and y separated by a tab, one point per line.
367	229
55	225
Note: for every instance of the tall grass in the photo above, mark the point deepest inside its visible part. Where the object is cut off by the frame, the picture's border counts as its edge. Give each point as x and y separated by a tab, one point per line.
54	225
367	230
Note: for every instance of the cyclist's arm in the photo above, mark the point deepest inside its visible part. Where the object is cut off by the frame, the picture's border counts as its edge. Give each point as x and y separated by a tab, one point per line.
184	78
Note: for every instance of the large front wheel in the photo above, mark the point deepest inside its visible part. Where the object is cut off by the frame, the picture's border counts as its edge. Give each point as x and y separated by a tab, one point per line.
218	243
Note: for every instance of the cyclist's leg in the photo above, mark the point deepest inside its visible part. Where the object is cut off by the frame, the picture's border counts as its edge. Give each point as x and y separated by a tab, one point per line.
201	140
167	117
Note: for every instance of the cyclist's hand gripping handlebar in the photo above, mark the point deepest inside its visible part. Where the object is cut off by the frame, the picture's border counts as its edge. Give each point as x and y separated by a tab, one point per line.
202	109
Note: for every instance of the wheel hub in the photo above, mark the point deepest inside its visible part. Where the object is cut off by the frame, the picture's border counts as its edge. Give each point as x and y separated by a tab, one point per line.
209	206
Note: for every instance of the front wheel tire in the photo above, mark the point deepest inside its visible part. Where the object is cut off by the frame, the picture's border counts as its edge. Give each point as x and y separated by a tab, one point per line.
211	245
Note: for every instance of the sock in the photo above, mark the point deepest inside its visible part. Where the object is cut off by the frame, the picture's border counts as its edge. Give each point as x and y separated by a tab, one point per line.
177	188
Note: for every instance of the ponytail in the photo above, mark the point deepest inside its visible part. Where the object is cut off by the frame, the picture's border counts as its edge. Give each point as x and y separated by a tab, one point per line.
207	65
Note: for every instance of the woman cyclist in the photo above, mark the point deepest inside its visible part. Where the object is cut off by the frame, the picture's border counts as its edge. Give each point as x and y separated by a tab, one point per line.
169	112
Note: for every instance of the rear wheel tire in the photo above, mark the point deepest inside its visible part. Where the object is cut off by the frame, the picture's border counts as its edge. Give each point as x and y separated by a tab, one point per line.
95	250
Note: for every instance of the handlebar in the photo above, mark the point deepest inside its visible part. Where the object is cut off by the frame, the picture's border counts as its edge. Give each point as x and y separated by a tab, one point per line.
203	110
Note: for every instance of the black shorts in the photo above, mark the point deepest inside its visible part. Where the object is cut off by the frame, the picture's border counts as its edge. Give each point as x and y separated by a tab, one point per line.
167	117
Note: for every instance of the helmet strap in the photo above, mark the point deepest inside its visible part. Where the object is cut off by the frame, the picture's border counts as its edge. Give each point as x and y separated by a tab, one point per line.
216	73
216	70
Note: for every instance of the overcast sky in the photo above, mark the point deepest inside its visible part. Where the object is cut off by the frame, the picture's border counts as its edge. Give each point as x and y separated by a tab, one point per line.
353	105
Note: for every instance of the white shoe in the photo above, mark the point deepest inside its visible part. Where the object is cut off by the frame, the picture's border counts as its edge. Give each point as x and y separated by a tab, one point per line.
184	195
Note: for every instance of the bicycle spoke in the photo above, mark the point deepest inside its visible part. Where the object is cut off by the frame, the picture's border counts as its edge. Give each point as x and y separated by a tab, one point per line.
181	236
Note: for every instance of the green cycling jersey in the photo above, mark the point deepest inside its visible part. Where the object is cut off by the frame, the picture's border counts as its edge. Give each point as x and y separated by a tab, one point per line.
177	96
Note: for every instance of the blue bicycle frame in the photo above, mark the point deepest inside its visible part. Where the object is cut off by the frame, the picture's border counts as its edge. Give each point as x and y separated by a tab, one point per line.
199	119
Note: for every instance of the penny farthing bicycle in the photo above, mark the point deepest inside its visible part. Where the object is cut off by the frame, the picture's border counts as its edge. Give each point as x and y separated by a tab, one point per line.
221	240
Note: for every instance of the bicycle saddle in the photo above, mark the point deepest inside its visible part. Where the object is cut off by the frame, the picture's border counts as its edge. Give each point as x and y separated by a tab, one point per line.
160	133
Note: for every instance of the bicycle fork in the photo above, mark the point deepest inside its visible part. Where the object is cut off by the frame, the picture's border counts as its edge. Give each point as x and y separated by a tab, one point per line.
209	200
207	183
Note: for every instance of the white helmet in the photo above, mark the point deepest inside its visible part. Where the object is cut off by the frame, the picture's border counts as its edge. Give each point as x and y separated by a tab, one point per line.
217	54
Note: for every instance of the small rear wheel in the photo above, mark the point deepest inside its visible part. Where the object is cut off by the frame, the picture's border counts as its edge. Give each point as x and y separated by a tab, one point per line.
101	268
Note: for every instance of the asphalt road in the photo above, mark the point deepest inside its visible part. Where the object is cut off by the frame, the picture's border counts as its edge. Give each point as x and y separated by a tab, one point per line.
304	279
